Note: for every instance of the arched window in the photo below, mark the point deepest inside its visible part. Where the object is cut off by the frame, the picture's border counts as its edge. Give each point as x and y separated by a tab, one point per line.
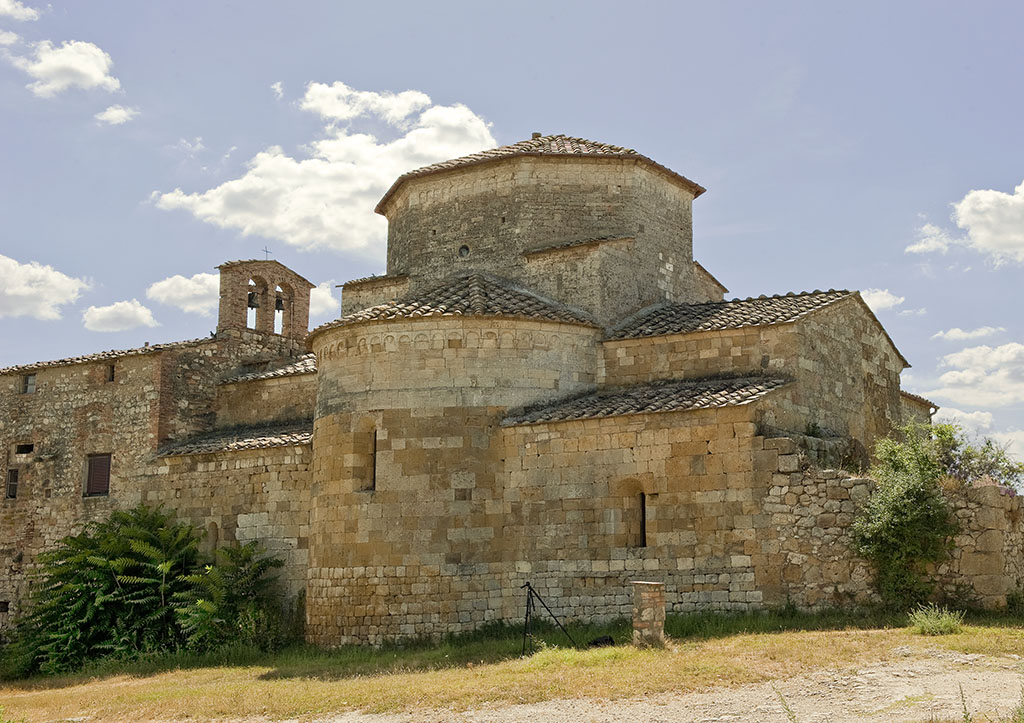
252	305
279	303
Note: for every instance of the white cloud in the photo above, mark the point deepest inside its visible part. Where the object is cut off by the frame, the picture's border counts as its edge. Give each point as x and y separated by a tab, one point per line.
8	38
322	300
993	222
75	64
190	147
958	334
984	376
1012	440
17	10
199	294
326	200
973	423
932	238
278	90
116	115
913	312
339	102
881	299
119	316
35	290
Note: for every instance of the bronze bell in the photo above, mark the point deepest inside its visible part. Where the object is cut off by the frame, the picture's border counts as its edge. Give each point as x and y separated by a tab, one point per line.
254	302
279	304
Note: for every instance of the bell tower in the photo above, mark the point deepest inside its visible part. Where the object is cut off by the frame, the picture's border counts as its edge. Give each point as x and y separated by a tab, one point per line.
263	296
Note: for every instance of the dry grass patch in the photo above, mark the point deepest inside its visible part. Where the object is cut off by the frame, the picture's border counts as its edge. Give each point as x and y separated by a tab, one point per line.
308	684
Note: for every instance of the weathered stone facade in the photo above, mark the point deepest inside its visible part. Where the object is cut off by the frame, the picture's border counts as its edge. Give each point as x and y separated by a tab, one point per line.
544	387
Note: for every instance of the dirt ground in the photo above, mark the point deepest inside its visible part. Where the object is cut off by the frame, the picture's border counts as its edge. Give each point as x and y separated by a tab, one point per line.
916	687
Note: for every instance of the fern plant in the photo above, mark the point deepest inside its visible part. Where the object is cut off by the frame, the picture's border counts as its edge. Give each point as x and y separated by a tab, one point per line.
232	601
107	591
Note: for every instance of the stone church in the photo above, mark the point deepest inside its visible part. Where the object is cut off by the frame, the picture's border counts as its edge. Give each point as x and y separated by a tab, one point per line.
545	386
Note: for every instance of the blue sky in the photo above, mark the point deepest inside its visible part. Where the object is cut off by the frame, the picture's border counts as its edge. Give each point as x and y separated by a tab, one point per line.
874	146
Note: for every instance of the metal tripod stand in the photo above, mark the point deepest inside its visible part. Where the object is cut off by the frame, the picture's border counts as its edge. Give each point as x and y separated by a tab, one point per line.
531	606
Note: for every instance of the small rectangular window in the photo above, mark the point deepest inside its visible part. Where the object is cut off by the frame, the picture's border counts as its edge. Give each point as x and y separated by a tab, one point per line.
12	484
28	384
5	606
97	482
27	448
111	369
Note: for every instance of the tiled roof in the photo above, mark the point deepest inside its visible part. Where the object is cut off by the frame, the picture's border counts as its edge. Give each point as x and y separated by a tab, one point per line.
578	243
238	439
229	264
469	295
103	356
684	318
671	396
553	145
918	398
377	278
304	365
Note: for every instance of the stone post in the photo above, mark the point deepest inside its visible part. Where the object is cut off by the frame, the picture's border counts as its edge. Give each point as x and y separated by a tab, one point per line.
648	613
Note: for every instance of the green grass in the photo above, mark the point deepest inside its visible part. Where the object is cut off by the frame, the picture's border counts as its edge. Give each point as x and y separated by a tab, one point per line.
935	620
485	667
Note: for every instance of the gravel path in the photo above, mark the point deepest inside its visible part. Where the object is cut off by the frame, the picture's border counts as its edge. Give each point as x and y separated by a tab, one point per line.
912	688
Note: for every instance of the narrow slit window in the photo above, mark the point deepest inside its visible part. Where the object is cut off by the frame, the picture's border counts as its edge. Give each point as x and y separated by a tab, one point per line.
97	481
642	539
28	384
111	372
373	461
12	484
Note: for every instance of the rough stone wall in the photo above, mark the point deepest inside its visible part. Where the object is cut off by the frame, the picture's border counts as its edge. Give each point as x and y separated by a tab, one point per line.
359	295
75	412
497	211
846	371
988	557
260	494
263	401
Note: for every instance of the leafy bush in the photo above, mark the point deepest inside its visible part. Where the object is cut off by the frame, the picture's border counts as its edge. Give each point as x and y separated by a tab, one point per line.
106	591
905	524
232	602
133	585
969	463
935	620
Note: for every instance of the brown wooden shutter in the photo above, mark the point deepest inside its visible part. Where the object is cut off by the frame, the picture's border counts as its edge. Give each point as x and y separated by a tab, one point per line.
98	480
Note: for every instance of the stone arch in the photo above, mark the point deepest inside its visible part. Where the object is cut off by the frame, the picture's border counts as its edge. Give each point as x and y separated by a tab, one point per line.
257	303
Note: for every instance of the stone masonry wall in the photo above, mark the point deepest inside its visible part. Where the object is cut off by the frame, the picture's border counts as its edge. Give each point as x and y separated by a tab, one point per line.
263	401
483	218
260	494
816	351
75	411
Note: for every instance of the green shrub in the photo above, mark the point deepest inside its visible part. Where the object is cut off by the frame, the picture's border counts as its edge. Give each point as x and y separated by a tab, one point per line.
906	525
935	620
106	591
233	602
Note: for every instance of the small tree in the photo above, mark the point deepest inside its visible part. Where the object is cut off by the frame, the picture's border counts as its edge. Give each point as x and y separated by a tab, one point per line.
906	524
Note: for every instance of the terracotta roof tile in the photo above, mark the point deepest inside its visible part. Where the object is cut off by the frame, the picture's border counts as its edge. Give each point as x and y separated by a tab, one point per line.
238	439
668	396
552	145
304	365
578	243
764	310
469	295
918	398
104	356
